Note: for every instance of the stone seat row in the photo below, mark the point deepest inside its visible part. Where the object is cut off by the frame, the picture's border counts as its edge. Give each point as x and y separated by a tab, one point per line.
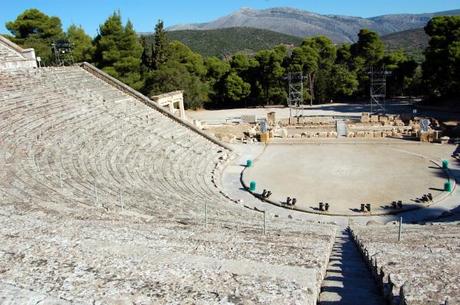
419	267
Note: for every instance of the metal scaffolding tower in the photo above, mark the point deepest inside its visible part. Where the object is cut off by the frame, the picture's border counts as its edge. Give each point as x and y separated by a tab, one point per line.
62	53
295	98
378	88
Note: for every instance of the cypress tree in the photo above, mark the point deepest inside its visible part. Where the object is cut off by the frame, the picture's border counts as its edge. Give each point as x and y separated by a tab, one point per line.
160	46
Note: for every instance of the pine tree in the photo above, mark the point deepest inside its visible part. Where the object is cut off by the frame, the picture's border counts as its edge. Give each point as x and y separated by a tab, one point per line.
106	41
118	51
34	29
441	69
83	48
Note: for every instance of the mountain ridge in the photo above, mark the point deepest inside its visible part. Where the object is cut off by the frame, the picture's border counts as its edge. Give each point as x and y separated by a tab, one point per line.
301	23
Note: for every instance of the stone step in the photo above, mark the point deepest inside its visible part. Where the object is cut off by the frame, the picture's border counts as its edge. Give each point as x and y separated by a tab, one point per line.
336	299
348	280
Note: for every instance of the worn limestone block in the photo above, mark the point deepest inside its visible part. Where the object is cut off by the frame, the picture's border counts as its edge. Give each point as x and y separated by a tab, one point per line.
249	118
198	124
284	122
271	118
284	133
368	134
383	119
445	140
365	117
351	134
374	118
387	133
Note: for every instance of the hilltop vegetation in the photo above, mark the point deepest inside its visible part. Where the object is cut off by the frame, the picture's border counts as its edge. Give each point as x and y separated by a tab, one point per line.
229	41
226	42
412	42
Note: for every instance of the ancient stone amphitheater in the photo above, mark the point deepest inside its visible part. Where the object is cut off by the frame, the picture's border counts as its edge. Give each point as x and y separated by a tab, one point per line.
108	199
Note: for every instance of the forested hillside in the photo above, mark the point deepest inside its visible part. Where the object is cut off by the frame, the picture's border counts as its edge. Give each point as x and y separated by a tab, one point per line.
225	42
413	42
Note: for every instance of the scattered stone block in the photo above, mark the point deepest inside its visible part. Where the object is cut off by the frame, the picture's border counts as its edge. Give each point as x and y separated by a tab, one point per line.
249	118
360	134
368	134
365	118
271	118
284	133
350	134
444	140
383	119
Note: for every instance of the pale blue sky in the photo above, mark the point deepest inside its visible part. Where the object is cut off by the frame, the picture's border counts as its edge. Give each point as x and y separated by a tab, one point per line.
144	13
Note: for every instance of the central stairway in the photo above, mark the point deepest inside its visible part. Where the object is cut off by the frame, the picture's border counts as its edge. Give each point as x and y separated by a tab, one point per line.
348	281
341	129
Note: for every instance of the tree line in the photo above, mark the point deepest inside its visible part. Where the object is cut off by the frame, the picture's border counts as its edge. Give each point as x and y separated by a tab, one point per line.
153	64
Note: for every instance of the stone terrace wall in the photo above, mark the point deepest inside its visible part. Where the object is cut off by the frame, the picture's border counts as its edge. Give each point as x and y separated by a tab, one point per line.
14	57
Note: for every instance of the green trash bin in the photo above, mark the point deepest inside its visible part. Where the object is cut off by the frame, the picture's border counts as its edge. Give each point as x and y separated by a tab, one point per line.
445	164
252	186
448	187
249	163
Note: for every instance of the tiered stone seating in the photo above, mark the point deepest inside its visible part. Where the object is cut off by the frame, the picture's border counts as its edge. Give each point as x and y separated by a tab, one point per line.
8	55
14	57
103	200
104	140
421	269
85	258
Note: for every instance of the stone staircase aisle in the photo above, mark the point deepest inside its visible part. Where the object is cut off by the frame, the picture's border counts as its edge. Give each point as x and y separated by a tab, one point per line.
341	128
348	281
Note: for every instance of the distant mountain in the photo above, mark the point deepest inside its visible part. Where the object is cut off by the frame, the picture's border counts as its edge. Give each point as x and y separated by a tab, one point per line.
413	42
228	41
303	23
